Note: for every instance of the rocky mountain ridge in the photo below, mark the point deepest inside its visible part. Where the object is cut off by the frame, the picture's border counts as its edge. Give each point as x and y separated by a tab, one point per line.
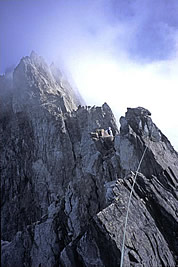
64	193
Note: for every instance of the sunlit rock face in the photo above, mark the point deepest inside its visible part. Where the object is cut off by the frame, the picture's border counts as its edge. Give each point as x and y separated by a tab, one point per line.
65	186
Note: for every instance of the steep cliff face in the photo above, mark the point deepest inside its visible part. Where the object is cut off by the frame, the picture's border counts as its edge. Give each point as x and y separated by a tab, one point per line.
65	189
34	140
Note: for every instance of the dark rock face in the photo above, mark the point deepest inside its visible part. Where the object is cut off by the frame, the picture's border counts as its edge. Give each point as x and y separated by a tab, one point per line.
65	191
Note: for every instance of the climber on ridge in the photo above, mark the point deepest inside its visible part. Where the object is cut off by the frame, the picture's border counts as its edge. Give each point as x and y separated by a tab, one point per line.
109	131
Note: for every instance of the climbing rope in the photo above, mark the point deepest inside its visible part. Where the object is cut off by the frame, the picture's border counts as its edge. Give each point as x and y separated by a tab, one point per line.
126	218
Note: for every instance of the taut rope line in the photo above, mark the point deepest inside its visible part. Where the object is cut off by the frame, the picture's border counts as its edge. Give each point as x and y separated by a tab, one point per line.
126	218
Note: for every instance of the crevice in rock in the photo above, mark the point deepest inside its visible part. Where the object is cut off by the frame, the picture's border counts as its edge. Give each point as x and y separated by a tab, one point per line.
132	258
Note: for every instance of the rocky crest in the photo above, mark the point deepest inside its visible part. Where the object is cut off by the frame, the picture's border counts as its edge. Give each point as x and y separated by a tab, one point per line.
64	194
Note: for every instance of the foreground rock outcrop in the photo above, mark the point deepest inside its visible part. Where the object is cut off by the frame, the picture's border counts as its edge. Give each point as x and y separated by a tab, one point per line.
65	189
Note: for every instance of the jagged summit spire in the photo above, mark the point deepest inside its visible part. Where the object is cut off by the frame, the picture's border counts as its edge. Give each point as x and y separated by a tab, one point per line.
38	60
33	55
34	80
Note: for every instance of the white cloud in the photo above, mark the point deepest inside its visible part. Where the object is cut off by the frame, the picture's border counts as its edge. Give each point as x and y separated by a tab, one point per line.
125	84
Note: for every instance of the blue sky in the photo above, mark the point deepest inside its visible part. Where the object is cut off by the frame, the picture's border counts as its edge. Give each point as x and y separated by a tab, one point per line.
123	52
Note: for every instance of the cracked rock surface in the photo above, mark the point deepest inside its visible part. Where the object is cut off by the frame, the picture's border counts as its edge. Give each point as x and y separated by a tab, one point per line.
65	189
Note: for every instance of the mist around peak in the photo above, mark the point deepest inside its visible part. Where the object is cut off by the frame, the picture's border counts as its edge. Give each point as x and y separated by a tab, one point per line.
121	52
